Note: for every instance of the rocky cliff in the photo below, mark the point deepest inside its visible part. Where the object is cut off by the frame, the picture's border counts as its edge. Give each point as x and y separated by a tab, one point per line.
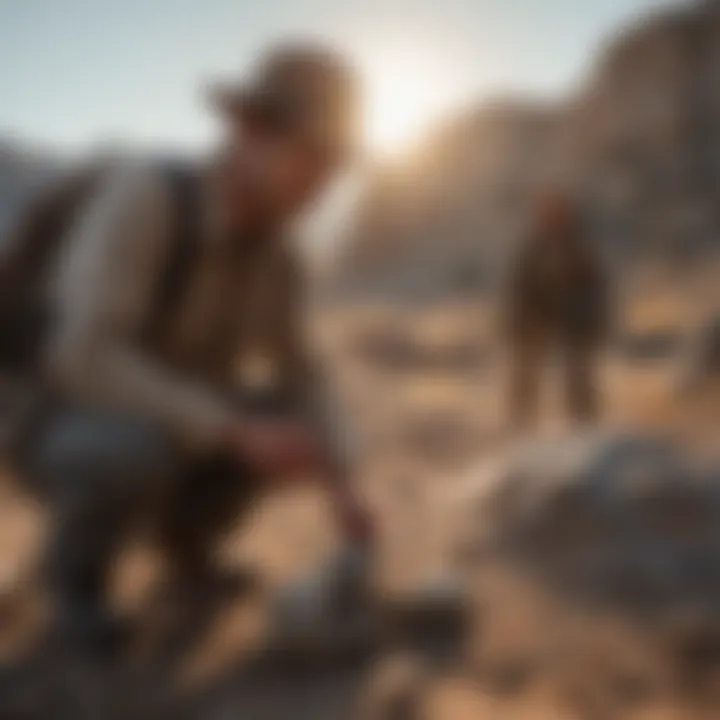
639	141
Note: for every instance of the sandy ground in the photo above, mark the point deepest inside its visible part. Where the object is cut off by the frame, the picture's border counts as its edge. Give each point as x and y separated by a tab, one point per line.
426	388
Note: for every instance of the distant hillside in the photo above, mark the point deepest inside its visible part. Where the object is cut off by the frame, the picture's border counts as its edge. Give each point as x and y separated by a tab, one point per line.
640	142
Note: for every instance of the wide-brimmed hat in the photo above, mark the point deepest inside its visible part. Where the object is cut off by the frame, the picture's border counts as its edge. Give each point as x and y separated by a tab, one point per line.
302	88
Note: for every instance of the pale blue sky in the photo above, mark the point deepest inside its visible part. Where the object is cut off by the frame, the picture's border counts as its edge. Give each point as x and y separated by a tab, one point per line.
76	72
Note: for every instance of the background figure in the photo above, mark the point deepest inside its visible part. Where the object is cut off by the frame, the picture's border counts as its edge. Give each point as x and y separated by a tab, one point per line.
557	303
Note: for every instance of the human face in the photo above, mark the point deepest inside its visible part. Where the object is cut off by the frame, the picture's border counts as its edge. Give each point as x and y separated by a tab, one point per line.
268	176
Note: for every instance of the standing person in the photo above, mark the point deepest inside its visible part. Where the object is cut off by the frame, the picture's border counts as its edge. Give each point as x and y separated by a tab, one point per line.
165	278
556	304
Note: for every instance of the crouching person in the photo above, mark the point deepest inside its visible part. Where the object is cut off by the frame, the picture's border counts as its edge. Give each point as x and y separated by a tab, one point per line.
165	277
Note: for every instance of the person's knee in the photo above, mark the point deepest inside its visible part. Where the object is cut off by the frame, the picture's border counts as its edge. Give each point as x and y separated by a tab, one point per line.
95	451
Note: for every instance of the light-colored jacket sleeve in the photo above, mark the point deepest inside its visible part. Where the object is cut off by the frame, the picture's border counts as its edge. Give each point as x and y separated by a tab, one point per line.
106	286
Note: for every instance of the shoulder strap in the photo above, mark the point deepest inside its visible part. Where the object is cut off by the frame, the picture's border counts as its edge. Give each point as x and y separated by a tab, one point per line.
184	246
43	223
25	311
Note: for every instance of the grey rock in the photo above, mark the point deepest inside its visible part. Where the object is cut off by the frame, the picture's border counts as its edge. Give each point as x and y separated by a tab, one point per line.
619	519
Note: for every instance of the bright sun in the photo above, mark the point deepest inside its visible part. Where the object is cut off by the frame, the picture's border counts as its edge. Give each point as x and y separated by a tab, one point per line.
404	98
397	118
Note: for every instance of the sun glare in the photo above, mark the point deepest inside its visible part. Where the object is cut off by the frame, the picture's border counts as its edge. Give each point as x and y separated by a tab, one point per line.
398	117
405	97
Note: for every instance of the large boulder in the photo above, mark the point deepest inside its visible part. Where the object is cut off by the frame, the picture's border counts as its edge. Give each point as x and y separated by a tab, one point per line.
622	521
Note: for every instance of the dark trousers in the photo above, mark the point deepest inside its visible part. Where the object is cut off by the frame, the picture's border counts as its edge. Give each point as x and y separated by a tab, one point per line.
530	352
99	471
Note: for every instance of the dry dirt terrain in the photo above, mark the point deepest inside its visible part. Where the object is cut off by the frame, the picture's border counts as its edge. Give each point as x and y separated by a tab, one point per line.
426	388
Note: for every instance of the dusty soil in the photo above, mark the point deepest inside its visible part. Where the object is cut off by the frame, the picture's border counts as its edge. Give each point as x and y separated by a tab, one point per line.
426	390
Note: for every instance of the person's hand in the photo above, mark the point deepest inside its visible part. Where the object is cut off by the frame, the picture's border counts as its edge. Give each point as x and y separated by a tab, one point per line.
356	522
274	446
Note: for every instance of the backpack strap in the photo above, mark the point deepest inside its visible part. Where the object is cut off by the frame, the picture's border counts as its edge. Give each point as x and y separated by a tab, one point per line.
183	183
25	311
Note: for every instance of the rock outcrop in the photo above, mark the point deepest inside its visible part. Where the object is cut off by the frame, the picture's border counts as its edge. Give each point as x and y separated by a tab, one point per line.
623	522
640	141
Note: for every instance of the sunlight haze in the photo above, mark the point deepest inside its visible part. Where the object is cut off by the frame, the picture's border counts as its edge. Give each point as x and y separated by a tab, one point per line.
76	73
